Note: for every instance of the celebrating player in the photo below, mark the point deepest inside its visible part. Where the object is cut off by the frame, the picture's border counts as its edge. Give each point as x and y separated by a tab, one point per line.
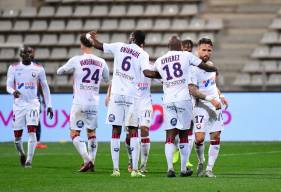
22	82
88	71
122	109
207	116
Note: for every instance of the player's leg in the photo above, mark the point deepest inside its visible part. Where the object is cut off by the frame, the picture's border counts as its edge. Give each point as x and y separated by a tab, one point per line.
199	148
169	150
115	148
183	148
176	151
213	152
92	145
145	147
134	144
18	124
128	149
38	136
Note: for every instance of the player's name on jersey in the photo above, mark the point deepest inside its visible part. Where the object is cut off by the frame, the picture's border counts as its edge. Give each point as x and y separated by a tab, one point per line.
130	51
169	59
90	62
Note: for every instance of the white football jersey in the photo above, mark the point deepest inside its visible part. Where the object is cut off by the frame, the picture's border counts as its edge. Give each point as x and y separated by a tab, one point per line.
128	59
25	79
88	71
205	81
174	68
145	83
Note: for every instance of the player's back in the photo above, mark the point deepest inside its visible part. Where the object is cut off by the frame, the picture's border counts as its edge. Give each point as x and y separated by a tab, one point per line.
88	70
174	70
128	59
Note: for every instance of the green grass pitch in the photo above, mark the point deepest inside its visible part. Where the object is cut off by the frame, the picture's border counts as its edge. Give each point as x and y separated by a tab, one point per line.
241	166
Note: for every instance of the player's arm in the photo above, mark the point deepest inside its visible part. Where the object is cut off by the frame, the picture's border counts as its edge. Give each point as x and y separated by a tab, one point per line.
105	73
107	97
152	74
207	67
97	44
10	83
46	93
223	99
193	90
66	68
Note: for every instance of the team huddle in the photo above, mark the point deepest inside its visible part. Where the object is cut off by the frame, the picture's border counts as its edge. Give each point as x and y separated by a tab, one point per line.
192	102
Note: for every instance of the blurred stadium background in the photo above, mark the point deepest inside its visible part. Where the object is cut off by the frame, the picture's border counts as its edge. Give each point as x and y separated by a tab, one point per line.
246	34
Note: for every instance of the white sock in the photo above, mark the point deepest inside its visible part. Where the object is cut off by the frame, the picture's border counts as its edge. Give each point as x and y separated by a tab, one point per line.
190	146
92	148
81	148
32	141
184	150
176	143
19	145
129	153
115	150
134	144
169	151
213	155
200	152
145	148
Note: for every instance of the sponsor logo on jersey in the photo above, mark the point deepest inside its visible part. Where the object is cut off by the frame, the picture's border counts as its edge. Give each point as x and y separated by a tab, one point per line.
111	118
20	85
80	124
143	86
173	121
26	85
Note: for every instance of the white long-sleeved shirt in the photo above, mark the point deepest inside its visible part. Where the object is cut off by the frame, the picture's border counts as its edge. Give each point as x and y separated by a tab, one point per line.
88	71
25	79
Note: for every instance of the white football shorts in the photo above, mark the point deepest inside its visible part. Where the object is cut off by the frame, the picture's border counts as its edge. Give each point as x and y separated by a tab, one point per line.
83	116
122	111
207	119
178	115
27	115
144	107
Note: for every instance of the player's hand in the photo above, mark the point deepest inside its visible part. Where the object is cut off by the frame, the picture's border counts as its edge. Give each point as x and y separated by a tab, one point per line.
16	94
224	102
106	101
93	34
50	112
216	104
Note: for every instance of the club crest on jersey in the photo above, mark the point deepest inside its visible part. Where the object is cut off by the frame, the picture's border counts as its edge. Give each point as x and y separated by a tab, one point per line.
33	74
181	146
198	126
80	124
116	149
173	121
111	118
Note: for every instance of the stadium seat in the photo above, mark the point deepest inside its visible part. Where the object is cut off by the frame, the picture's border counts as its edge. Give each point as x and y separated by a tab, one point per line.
50	80
100	10
5	25
10	13
242	80
159	51
153	38
144	24
188	35
69	1
276	24
109	24
257	80
58	53
275	52
117	10
197	24
208	35
74	25
127	24
2	39
189	10
135	10
274	80
91	24
153	10
7	53
32	39
73	51
29	12
51	68
3	68
253	67
179	24
119	37
66	39
46	11
261	52
166	37
49	39
21	25
14	39
56	25
64	11
270	66
162	24
82	11
104	37
52	1
214	24
61	81
270	37
170	9
42	53
39	25
150	51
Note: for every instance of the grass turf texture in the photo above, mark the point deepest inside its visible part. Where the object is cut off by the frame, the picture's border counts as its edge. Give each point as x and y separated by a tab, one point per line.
245	166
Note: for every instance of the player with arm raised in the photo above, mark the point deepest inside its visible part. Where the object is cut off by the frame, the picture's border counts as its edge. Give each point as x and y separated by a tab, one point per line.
122	108
22	82
88	71
207	114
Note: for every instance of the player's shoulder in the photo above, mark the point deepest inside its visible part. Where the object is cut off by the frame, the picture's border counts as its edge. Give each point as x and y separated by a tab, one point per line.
13	65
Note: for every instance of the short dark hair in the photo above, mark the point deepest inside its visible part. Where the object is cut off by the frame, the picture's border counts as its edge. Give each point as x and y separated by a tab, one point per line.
205	40
139	37
187	42
86	42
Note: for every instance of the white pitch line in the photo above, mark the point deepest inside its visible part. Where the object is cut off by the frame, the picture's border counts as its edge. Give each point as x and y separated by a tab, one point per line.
246	154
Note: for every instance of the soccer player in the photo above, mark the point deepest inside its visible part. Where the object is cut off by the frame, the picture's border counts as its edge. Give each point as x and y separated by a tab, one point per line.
207	116
88	71
174	68
122	109
22	82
